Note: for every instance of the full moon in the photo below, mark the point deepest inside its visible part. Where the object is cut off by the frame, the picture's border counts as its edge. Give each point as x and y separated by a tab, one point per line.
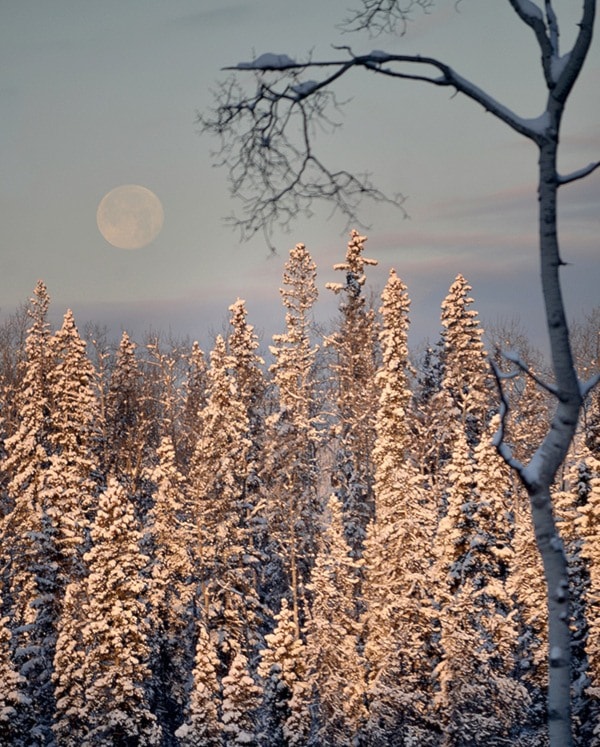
130	216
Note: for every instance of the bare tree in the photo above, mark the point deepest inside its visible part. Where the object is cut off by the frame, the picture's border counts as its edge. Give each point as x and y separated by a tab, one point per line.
268	145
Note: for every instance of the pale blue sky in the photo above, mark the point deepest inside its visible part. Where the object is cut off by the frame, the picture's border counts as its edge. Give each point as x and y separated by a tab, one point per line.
98	94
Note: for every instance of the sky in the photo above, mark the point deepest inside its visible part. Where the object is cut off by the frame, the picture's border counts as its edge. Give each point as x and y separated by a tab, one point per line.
99	94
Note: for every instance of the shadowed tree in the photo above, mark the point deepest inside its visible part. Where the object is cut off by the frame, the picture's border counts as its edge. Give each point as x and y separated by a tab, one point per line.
12	695
267	130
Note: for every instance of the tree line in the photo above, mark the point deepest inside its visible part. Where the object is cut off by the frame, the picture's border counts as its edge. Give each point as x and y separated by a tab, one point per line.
325	550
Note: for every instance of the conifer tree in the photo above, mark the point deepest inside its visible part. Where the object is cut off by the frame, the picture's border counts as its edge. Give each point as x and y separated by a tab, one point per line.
354	346
63	492
171	536
12	692
125	441
335	665
226	564
475	608
108	700
291	494
398	548
588	526
464	399
242	344
27	452
202	727
27	533
287	689
194	399
241	698
70	488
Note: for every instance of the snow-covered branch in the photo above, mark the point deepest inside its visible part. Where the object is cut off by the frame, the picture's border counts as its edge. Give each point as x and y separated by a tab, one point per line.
579	174
586	386
531	14
498	440
268	134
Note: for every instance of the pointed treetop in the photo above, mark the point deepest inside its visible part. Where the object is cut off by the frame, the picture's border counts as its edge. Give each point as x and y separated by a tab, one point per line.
353	266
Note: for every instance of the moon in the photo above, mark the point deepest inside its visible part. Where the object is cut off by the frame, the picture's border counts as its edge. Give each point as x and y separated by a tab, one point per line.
130	216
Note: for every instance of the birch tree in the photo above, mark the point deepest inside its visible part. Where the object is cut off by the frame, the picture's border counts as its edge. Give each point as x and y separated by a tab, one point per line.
267	130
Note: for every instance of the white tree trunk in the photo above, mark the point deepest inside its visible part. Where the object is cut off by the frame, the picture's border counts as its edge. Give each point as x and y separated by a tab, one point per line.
539	475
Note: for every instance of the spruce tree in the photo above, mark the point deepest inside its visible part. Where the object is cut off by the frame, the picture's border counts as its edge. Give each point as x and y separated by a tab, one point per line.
336	667
124	438
398	548
108	699
13	699
291	482
202	727
241	698
286	686
464	399
475	610
28	533
247	372
227	566
170	538
70	489
354	393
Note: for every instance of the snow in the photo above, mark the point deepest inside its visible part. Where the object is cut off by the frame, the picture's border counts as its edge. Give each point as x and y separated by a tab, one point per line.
529	8
305	88
585	387
267	60
380	55
579	173
558	64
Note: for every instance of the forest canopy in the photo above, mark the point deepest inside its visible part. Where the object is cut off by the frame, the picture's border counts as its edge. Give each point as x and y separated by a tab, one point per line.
205	549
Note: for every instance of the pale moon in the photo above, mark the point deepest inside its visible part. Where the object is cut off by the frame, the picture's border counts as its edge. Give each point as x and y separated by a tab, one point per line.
130	216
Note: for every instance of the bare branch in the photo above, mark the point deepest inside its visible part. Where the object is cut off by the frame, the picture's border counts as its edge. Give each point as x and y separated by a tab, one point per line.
553	29
579	174
534	377
267	136
498	441
385	16
587	386
267	146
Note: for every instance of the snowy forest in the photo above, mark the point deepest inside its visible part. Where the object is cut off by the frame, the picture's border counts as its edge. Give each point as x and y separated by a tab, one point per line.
317	547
